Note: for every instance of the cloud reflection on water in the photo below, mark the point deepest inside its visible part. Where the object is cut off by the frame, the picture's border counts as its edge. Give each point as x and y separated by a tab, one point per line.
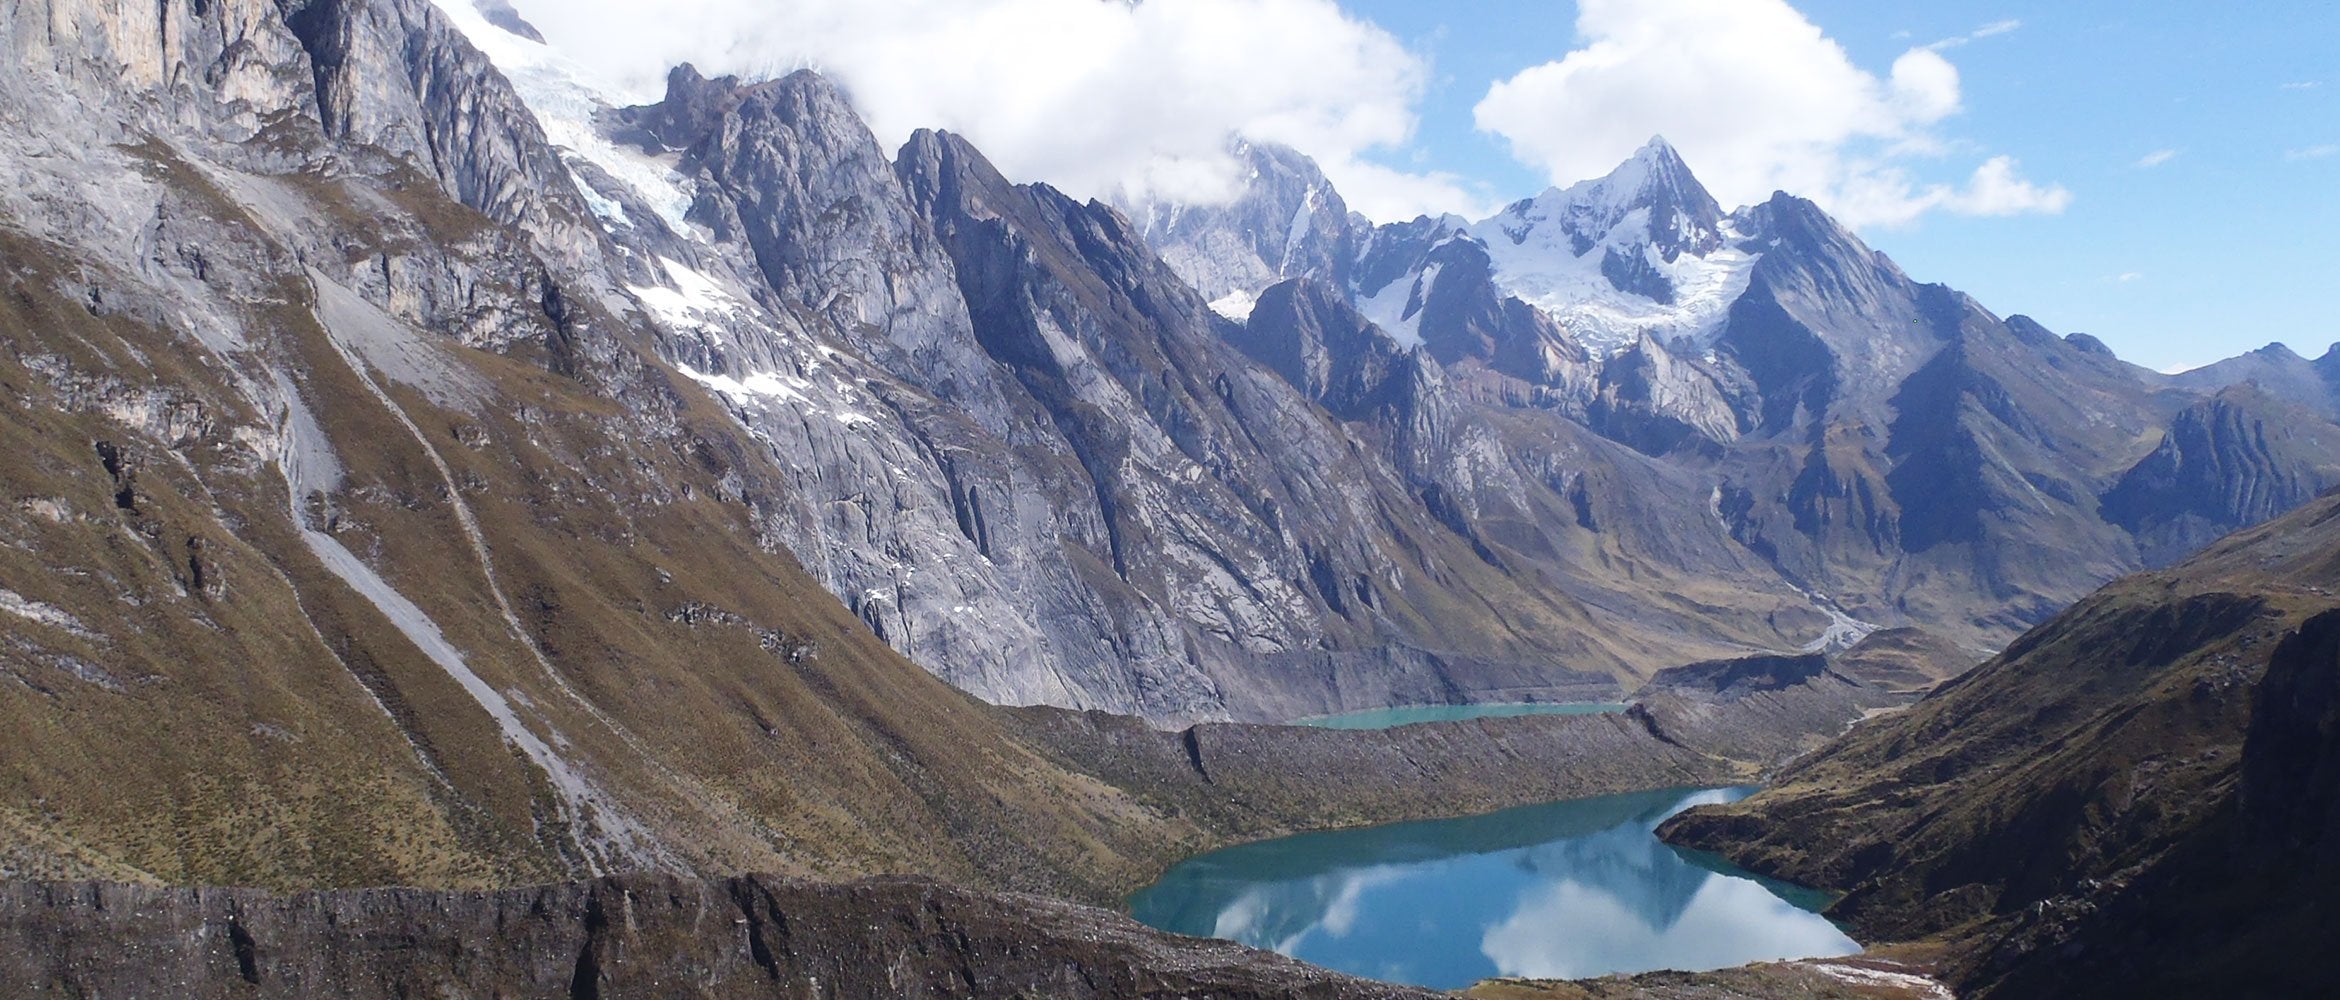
1565	890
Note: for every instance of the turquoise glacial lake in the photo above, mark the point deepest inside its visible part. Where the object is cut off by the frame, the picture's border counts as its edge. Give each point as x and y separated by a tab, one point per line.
1566	890
1384	718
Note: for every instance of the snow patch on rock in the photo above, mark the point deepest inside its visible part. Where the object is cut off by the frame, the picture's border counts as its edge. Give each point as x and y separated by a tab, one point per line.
565	97
1236	305
1536	260
1397	307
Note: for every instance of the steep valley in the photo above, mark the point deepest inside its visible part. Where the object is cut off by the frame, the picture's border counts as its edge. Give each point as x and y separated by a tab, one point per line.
694	550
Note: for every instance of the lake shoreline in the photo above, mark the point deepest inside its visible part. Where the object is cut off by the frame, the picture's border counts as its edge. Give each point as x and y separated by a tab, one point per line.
1395	716
1569	889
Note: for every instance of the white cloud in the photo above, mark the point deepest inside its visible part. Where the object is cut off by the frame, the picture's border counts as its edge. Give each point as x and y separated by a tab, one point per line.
2128	277
1925	86
2156	158
2324	151
1991	30
1386	195
1725	922
2304	85
1758	99
1087	95
1997	188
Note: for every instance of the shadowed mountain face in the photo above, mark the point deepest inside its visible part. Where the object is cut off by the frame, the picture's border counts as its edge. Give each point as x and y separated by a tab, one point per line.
2237	459
2127	795
2243	905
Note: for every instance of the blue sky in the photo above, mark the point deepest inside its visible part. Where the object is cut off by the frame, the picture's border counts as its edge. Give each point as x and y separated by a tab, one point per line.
2227	240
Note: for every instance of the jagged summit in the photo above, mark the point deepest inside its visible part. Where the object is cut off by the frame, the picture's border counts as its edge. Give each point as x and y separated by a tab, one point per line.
1288	222
1643	250
1682	216
2277	351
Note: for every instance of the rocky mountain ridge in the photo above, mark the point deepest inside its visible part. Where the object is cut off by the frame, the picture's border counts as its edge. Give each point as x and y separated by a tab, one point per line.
1092	441
1892	450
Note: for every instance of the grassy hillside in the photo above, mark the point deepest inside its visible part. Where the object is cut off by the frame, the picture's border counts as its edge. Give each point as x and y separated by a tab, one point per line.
2073	775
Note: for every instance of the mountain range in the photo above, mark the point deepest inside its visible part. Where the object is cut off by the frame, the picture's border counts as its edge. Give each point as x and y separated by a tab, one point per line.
427	470
1267	459
1891	452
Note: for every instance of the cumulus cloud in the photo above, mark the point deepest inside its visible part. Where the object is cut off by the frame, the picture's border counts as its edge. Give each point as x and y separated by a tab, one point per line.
1998	188
1094	97
1758	99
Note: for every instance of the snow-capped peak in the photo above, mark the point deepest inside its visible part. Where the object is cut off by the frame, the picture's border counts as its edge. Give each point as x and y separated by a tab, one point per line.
1643	250
1654	187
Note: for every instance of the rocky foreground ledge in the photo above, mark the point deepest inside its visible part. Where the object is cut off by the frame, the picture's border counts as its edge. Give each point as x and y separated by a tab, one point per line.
649	936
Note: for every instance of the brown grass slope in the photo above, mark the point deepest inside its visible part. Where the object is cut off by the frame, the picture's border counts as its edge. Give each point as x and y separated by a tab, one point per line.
2055	781
194	694
223	710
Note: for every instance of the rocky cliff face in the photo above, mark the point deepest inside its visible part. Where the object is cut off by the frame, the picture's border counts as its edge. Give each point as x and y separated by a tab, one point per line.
1308	334
1286	221
1102	493
360	505
1092	501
